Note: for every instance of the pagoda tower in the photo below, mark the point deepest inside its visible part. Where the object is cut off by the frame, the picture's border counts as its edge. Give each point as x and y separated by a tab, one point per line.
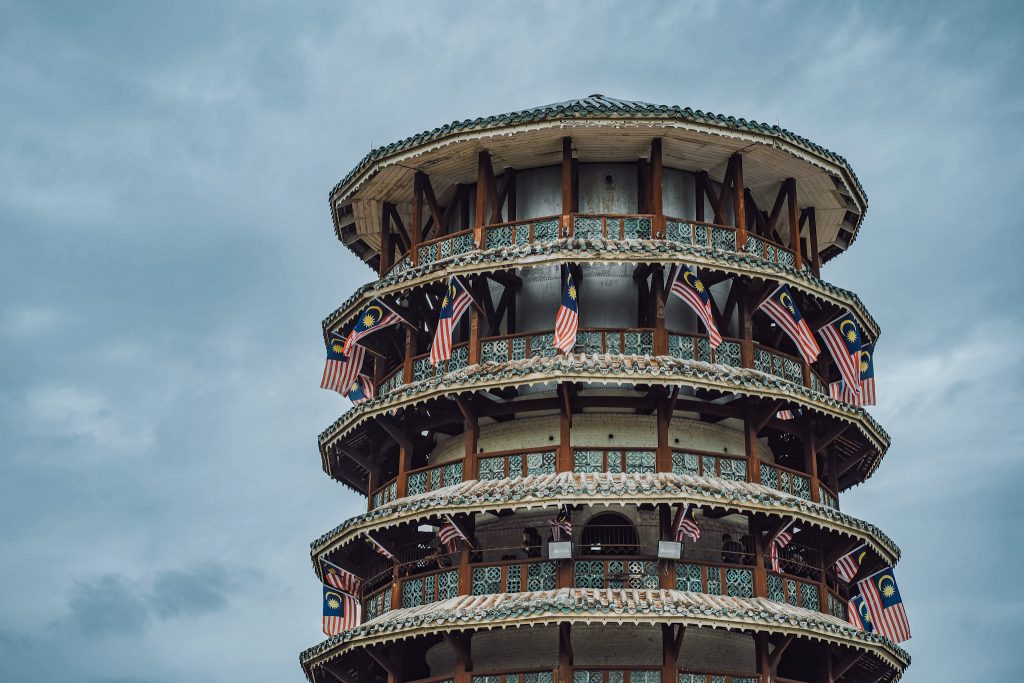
530	513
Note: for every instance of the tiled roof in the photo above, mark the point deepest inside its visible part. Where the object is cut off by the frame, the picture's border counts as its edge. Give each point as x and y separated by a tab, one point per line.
600	107
605	251
612	369
607	606
568	488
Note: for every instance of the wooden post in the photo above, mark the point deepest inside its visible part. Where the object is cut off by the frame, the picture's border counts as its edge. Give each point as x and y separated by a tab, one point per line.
404	465
833	473
372	482
739	206
410	351
761	653
657	179
811	463
700	180
564	457
384	263
746	325
465	572
671	639
658	292
813	237
566	184
470	460
826	667
564	652
751	448
794	222
663	457
482	166
474	335
416	229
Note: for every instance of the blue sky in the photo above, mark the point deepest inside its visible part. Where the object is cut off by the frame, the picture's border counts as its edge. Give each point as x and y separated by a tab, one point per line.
166	256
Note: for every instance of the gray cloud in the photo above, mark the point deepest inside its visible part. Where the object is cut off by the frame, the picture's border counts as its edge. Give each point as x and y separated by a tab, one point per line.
167	257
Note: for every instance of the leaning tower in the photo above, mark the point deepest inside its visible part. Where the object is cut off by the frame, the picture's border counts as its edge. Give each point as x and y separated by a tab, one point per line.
662	502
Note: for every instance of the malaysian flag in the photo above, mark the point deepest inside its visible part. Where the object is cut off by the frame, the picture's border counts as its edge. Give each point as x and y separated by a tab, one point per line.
858	614
688	287
334	368
567	320
456	301
686	524
789	414
866	396
374	317
379	549
842	339
885	605
780	541
781	308
350	373
341	611
336	577
449	534
561	524
362	390
848	565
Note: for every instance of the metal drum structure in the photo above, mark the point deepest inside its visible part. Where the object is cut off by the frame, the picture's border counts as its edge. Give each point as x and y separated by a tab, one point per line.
565	477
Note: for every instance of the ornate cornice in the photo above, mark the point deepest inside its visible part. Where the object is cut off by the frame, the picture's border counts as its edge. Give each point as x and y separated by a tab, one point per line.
601	251
610	369
571	488
578	605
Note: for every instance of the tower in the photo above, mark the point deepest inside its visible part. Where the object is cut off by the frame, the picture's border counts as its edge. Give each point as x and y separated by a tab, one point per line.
566	483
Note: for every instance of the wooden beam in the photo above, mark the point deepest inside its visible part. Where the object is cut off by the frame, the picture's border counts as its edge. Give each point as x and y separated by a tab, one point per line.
845	664
761	419
831	435
468	415
739	207
794	222
384	261
657	179
776	655
395	432
435	208
385	662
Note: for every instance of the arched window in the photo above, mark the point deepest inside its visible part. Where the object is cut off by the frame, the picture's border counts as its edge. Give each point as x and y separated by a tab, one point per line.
609	534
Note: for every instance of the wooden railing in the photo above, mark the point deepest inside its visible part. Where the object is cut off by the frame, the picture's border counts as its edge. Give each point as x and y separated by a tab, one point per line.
541	460
384	494
433	477
797	584
614	460
429	587
786	480
734	580
693	676
525	462
445	246
513	576
594	226
704	464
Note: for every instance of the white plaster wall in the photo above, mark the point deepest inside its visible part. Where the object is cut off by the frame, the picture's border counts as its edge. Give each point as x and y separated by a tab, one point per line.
600	430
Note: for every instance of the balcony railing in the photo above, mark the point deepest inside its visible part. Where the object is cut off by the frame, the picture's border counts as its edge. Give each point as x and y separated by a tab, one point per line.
514	576
786	480
596	226
625	341
527	462
519	463
704	464
423	582
613	460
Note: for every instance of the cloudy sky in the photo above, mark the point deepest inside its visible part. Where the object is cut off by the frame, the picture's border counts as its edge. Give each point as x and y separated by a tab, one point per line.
166	256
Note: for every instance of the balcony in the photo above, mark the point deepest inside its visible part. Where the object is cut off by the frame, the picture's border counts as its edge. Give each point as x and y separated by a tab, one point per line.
616	227
529	462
